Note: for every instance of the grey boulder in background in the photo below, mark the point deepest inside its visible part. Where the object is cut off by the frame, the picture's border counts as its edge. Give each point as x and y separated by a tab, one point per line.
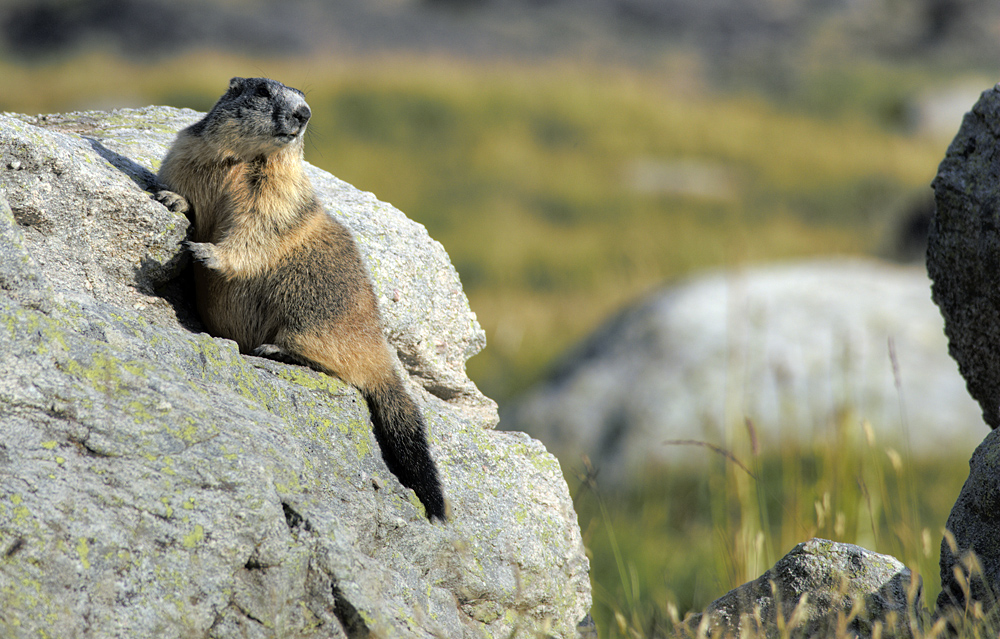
794	347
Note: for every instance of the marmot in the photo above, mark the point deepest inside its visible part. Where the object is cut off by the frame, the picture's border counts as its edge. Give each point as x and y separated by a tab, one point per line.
276	273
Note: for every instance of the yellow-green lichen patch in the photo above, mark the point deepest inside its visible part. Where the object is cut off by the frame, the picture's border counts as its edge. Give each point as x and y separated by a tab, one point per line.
249	386
111	501
406	616
318	416
138	412
35	587
367	618
229	455
170	583
483	611
139	327
311	379
83	551
20	511
193	431
196	536
13	600
48	334
168	466
360	433
190	430
212	352
545	463
241	375
105	373
413	499
49	445
286	482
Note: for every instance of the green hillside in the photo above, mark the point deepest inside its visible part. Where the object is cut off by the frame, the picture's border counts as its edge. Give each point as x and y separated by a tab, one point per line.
561	193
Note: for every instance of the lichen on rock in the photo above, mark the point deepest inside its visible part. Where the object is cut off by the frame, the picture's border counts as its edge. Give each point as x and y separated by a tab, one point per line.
156	482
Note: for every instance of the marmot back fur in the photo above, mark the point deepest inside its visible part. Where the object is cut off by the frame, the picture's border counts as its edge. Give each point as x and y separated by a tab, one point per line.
277	274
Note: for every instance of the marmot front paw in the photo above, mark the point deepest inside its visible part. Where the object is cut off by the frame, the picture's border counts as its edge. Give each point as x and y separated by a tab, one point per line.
173	201
204	252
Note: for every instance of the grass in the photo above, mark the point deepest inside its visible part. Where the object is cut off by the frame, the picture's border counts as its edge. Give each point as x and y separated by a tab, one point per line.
683	537
561	193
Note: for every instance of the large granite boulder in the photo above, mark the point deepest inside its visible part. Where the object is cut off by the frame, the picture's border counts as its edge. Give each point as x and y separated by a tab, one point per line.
156	483
820	589
796	348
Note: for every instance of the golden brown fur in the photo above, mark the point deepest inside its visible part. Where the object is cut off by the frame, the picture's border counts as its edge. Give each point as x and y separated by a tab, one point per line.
277	274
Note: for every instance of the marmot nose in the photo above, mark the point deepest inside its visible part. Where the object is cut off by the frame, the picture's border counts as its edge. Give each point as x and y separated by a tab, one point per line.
302	114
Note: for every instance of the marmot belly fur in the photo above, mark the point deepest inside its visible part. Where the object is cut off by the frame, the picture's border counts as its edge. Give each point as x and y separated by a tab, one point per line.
277	274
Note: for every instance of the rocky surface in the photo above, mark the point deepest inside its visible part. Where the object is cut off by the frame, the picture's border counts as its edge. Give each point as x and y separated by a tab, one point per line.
155	482
820	589
963	253
796	348
963	257
970	551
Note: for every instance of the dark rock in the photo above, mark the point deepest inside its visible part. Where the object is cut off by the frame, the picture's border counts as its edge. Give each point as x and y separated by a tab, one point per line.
963	252
970	550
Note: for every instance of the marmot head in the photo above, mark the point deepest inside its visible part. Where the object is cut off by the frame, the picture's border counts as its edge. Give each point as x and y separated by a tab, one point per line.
257	117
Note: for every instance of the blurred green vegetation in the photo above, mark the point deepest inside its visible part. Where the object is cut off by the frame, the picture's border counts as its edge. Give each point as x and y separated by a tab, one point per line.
561	193
685	536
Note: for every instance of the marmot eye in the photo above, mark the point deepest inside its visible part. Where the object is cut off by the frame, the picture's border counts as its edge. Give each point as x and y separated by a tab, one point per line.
263	91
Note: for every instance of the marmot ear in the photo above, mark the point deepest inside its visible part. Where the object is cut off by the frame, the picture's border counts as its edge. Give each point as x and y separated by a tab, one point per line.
236	83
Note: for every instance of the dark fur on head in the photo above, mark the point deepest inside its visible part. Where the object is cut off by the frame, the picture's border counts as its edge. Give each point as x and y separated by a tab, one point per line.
256	116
